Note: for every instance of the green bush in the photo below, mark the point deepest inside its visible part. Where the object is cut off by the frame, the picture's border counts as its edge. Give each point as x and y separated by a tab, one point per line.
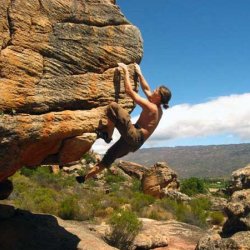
156	212
111	178
89	157
69	208
39	199
140	200
43	177
136	185
217	217
168	204
198	212
194	212
193	186
21	184
124	227
114	181
27	171
44	200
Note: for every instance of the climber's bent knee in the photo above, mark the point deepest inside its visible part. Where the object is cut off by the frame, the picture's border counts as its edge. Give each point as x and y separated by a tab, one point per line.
114	105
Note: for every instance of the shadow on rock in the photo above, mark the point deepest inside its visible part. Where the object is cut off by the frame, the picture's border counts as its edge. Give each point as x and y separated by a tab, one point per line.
28	231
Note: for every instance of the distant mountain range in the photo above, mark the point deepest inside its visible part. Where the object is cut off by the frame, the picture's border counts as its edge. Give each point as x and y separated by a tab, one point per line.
199	161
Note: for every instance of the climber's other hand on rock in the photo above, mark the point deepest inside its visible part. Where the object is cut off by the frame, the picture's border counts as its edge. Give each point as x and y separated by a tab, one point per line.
123	66
137	69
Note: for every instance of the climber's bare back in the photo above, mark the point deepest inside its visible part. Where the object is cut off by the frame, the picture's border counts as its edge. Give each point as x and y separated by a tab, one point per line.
149	119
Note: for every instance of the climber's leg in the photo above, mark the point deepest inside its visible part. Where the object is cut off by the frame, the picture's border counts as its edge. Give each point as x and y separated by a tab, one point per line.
95	170
110	128
106	132
122	121
119	149
117	117
120	118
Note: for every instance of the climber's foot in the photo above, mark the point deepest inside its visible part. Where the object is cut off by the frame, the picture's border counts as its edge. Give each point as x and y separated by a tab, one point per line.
80	178
103	135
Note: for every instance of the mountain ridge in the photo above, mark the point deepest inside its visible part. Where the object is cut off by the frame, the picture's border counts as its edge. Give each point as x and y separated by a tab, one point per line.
199	160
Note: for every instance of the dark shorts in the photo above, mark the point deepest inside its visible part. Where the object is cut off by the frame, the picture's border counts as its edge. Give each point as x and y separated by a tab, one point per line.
131	134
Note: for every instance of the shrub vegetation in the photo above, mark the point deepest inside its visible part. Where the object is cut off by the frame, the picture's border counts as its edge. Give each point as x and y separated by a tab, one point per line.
193	186
125	225
39	190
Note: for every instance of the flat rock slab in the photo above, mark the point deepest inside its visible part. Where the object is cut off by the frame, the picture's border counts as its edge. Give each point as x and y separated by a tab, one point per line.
161	235
177	235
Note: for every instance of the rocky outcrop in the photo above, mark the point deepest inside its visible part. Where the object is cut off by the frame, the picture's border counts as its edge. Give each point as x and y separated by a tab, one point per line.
169	234
132	169
176	195
159	179
58	72
238	207
239	241
240	180
238	212
235	233
217	203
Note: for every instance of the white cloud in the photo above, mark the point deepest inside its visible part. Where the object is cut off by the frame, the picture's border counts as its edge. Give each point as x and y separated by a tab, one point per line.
223	115
226	114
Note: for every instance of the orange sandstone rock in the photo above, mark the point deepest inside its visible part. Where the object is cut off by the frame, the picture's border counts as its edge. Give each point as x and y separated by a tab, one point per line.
58	72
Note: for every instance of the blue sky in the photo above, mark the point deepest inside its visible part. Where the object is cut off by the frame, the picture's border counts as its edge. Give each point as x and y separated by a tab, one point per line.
201	50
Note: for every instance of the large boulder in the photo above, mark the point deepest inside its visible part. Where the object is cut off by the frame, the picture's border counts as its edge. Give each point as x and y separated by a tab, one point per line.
242	239
159	178
215	242
240	179
58	72
238	212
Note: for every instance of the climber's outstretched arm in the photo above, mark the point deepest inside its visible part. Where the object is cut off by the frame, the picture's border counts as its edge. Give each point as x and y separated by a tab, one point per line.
145	86
129	90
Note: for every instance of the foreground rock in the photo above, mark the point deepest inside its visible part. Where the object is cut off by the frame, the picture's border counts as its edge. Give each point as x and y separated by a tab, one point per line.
29	231
172	235
21	230
6	211
6	187
169	234
58	72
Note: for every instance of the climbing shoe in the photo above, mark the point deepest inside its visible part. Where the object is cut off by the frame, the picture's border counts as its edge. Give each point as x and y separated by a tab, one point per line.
103	135
80	178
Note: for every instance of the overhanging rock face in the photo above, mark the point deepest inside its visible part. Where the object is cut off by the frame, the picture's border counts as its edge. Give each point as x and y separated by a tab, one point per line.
58	72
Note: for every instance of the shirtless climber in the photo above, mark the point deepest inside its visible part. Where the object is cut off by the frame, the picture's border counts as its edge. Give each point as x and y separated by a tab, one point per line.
132	135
